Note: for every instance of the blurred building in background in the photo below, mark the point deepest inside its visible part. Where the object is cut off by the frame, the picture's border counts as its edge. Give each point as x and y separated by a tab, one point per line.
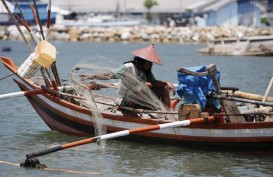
252	13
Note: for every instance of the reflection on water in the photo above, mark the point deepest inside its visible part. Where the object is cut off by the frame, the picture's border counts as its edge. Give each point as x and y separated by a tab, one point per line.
22	131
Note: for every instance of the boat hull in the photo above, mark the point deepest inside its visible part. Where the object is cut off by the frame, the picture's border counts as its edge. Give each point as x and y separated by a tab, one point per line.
73	120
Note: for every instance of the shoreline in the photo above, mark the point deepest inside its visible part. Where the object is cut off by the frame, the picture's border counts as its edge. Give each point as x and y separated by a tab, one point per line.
151	34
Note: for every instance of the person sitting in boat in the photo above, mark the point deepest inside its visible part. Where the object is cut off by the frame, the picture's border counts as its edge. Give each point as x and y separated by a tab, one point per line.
140	66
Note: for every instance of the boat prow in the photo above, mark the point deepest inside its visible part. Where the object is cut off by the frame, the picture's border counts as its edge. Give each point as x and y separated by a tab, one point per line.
9	64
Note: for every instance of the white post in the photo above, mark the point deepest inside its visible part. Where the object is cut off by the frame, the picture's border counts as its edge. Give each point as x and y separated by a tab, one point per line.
268	90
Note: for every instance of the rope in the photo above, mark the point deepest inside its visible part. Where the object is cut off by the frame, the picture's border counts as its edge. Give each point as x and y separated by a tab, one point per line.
6	76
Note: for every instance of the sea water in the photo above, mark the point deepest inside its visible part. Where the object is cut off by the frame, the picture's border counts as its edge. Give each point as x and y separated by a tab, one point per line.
22	131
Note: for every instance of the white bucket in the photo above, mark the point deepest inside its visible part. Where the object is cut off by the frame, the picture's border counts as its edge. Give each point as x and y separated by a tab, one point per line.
29	67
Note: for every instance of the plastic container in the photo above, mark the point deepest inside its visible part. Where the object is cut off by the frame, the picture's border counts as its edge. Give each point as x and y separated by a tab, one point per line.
29	67
45	54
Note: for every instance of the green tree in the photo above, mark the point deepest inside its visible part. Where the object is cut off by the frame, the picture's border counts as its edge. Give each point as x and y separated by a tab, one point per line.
149	4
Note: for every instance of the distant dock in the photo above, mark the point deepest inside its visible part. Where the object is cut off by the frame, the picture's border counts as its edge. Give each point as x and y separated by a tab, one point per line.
248	46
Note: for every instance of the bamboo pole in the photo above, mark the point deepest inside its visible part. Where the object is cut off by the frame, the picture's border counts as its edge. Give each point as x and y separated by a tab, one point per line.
247	95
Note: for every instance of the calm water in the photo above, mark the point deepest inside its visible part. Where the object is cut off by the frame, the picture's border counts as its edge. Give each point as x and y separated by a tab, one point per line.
22	131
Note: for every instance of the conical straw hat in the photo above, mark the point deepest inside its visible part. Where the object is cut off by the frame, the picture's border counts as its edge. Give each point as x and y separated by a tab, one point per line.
148	53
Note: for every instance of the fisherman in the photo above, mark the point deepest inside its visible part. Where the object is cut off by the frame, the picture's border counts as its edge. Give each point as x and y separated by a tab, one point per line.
140	66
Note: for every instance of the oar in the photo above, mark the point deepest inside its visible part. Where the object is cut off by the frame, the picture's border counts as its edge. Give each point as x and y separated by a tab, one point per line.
29	157
22	93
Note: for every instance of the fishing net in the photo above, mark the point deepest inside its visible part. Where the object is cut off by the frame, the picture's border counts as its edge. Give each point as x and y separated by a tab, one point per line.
82	90
100	86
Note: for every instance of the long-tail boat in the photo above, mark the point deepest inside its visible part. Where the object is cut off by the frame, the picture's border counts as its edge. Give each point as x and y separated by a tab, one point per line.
231	126
205	113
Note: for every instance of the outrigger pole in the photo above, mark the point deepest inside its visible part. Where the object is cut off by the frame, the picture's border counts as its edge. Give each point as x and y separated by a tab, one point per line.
16	24
21	93
32	161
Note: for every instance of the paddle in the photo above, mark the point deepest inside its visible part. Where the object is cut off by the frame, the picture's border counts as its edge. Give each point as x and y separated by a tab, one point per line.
31	161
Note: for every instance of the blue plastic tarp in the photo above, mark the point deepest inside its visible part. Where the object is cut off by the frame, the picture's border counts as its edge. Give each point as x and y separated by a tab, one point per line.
195	89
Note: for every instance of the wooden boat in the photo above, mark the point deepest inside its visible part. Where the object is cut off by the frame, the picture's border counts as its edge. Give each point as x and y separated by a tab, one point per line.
68	117
250	46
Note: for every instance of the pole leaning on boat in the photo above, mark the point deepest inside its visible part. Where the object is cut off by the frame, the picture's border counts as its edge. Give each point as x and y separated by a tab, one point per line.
32	161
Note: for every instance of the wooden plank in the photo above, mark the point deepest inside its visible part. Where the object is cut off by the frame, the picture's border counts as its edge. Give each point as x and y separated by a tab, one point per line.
231	108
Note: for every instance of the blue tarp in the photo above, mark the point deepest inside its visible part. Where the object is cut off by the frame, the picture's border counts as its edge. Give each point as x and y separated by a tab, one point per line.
194	89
